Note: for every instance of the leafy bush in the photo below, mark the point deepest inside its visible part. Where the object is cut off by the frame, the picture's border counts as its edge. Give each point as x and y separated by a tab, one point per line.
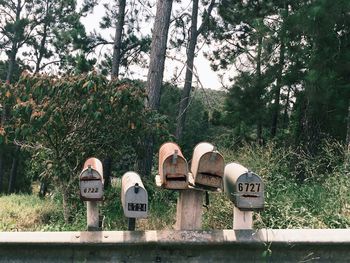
63	121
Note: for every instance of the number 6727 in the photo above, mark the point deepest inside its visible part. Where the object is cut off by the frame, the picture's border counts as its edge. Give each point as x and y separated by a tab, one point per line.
249	187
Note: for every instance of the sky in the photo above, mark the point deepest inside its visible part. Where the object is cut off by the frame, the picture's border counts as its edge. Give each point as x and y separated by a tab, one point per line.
207	77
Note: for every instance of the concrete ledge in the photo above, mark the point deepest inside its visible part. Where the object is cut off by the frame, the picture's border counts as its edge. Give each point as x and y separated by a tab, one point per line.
291	245
276	236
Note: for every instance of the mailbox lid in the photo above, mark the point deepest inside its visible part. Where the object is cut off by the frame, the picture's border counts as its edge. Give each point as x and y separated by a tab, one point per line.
92	170
135	204
250	192
91	190
244	188
134	196
173	167
207	165
167	150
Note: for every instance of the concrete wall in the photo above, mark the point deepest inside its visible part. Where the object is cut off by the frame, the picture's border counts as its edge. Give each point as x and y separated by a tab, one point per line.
177	246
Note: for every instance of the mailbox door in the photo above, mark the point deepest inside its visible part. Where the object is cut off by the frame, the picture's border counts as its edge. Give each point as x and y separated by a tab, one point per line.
135	204
210	170
91	190
249	192
175	174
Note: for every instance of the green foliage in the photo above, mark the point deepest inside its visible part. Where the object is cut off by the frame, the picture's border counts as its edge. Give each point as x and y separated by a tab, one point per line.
322	201
63	121
26	212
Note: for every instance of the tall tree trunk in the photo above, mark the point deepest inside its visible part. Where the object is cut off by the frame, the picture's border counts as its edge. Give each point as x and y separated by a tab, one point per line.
347	153
286	106
42	44
1	167
11	63
185	96
189	72
2	149
158	51
259	92
118	39
276	106
14	168
155	75
65	203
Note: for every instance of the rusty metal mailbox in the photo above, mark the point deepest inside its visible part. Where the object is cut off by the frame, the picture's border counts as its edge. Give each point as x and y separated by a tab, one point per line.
91	180
207	166
173	167
134	196
244	188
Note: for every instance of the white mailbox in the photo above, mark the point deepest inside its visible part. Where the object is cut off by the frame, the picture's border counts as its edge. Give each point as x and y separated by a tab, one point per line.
207	166
244	188
91	180
173	167
134	196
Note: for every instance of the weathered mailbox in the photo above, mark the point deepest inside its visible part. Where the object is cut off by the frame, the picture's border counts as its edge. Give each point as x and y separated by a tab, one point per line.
244	188
91	180
134	196
173	167
207	166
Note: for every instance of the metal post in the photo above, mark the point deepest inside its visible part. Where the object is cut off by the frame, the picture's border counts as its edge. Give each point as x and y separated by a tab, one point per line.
242	219
92	216
131	224
189	210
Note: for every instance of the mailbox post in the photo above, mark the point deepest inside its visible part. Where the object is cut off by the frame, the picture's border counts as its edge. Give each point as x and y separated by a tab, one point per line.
134	198
246	190
91	190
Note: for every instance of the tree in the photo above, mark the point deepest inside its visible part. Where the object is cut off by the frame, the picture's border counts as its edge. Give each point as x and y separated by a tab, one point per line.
155	74
118	39
190	53
47	122
246	40
130	42
58	34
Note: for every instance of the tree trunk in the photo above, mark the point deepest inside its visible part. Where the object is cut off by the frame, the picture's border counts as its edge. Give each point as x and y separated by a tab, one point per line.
118	39
14	168
1	168
2	149
158	51
155	75
286	106
276	106
11	63
185	96
65	200
347	153
107	169
42	46
259	92
189	72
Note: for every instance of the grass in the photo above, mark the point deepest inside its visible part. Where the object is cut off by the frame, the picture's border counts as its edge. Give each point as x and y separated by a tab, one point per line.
321	201
26	212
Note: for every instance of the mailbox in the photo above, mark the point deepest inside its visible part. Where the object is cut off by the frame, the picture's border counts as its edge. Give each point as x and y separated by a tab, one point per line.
244	188
91	180
207	166
134	196
173	167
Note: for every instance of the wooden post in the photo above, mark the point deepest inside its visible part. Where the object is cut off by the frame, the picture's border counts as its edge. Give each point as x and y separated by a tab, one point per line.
131	224
242	219
92	216
189	210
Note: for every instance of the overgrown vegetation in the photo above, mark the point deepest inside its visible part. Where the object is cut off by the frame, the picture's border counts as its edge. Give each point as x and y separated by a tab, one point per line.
322	201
